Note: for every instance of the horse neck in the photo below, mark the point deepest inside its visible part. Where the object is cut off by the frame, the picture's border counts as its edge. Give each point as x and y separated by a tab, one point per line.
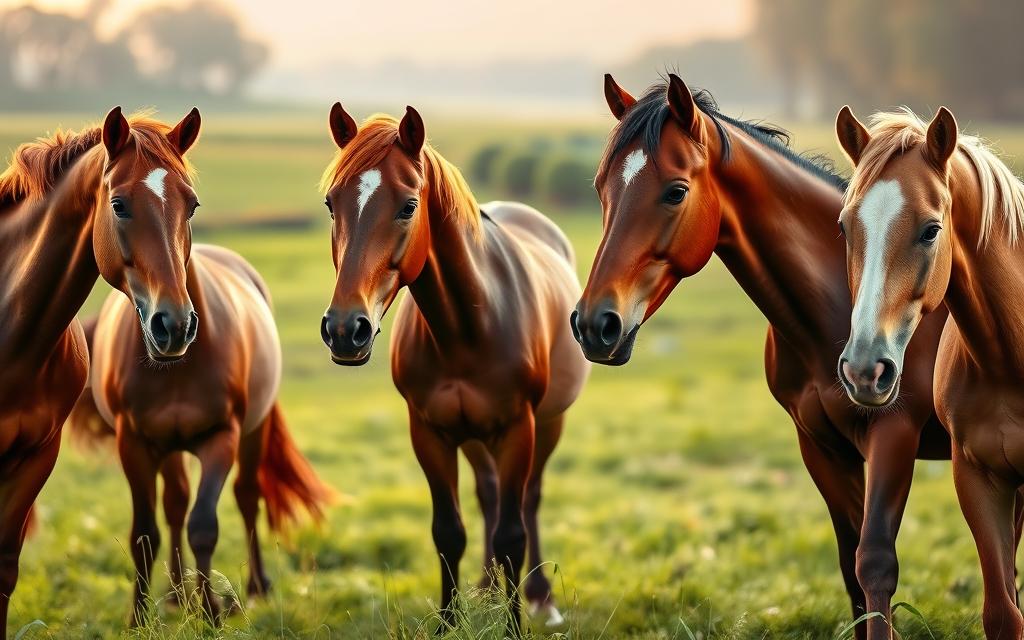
779	239
451	290
50	267
985	282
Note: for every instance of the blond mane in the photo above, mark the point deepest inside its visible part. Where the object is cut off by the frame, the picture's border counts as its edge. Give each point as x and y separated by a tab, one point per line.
894	132
375	138
36	167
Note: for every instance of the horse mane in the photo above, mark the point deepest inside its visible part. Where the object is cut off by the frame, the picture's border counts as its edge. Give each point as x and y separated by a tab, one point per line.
646	119
894	132
36	167
372	143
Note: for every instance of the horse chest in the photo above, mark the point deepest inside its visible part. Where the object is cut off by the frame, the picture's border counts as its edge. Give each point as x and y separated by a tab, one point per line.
466	406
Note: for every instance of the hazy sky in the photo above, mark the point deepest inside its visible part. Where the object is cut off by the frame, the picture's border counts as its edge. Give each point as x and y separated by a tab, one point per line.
366	31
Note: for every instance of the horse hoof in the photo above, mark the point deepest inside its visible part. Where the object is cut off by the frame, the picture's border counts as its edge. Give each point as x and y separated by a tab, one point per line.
546	612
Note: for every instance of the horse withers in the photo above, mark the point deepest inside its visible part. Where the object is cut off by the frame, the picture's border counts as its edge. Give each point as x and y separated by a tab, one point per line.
480	349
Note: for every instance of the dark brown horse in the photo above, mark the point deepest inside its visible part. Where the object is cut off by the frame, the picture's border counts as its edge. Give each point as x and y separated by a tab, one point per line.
480	351
113	200
680	181
935	217
219	403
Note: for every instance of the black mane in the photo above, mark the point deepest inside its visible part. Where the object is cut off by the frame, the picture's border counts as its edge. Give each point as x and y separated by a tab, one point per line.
646	119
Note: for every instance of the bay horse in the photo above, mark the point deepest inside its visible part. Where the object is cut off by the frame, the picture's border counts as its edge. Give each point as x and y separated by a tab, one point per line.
933	217
220	403
113	200
480	349
680	181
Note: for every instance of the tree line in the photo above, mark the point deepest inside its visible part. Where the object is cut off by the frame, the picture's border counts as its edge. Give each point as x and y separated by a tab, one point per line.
51	59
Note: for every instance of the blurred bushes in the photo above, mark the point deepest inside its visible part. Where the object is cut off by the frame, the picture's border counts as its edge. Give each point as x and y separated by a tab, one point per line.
557	170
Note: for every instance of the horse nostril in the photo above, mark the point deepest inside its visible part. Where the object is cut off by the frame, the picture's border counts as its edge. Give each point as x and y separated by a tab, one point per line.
885	375
574	319
610	328
159	330
325	333
362	332
193	326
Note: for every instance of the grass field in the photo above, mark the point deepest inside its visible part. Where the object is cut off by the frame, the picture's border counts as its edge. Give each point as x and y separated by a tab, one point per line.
676	505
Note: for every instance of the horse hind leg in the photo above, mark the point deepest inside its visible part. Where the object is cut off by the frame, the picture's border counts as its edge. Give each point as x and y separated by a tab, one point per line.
486	477
539	599
176	499
247	496
216	455
18	492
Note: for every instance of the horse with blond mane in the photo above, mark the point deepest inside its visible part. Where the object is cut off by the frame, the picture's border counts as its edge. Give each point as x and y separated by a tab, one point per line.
480	348
933	217
114	201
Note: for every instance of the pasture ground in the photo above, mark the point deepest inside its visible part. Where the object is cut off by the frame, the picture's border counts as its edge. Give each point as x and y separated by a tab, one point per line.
676	505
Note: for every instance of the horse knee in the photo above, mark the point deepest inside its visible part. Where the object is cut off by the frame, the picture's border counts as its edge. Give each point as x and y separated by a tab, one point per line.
449	538
510	542
202	534
877	569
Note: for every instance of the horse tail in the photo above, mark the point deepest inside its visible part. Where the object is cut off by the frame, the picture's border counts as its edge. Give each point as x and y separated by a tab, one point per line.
286	478
86	426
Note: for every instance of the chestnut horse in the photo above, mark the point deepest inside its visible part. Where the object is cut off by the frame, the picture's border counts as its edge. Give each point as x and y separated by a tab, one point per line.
934	217
219	403
480	349
112	200
680	181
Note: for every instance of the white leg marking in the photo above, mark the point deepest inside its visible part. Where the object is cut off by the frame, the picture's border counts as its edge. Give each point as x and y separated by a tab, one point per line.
882	203
369	182
155	182
632	166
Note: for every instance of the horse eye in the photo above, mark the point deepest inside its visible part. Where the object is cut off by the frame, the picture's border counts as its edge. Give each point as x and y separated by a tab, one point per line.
408	210
930	234
120	210
327	203
675	194
192	213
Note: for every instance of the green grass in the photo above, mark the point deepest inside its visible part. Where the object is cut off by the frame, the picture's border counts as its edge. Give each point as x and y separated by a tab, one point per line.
676	505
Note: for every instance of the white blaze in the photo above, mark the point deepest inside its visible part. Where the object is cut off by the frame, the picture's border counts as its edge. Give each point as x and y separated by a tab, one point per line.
632	166
369	182
882	203
155	182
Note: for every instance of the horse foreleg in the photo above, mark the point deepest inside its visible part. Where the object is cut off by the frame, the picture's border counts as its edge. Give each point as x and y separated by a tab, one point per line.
176	499
216	455
538	587
247	495
841	483
892	446
486	476
140	463
987	503
439	460
514	455
18	492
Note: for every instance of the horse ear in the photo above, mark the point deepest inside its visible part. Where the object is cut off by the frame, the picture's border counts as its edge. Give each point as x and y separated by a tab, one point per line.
185	134
115	132
852	135
411	133
619	100
343	127
682	107
942	136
